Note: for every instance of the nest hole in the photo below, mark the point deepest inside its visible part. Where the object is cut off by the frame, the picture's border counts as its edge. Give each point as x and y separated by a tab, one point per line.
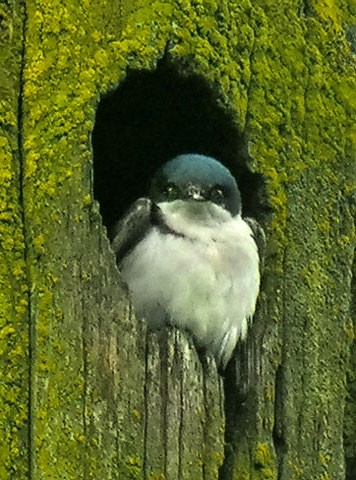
153	116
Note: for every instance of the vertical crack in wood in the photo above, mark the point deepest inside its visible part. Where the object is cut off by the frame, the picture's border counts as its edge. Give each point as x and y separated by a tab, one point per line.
164	399
350	459
181	410
85	386
278	430
278	433
145	403
204	368
235	391
31	326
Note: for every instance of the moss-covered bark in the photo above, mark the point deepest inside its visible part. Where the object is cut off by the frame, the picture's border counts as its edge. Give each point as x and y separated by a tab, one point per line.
14	331
85	391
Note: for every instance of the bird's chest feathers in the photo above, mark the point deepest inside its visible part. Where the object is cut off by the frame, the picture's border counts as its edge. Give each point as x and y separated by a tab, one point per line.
196	245
205	276
209	250
206	233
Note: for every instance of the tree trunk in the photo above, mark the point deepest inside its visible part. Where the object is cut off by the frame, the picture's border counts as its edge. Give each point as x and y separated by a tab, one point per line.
86	391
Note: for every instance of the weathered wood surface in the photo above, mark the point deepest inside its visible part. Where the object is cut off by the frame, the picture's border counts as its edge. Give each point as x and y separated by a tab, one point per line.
85	391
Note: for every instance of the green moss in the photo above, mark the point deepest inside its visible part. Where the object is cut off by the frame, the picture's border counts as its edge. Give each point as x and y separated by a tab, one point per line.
294	98
156	476
132	469
259	465
14	340
328	11
265	460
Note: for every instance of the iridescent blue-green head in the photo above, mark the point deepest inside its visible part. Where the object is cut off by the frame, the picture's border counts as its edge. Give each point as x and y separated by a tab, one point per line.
197	178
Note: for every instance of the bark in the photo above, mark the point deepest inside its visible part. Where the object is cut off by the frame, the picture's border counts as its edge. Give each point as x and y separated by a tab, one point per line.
86	391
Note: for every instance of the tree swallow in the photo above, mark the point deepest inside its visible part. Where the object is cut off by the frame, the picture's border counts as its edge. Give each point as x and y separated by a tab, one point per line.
187	255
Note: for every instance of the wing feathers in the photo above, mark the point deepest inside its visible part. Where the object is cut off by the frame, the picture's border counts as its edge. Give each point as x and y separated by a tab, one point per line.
260	239
132	227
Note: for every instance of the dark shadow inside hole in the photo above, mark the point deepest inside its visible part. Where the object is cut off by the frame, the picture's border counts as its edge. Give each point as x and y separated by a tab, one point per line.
150	118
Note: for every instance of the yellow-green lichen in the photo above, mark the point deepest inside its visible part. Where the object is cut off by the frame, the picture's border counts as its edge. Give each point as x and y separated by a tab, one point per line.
131	468
328	11
265	460
14	339
156	476
259	464
295	100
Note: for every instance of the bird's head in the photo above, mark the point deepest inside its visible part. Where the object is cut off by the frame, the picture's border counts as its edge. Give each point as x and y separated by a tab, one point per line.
196	178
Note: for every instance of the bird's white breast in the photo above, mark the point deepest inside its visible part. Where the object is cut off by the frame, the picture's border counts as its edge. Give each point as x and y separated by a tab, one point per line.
206	281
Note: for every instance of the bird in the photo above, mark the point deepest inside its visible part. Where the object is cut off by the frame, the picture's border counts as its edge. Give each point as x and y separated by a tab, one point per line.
188	257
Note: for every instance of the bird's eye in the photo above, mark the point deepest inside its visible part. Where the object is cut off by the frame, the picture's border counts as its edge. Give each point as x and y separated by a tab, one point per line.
170	190
216	195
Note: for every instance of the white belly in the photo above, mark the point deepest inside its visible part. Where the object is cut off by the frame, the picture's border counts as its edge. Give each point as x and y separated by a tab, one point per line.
208	284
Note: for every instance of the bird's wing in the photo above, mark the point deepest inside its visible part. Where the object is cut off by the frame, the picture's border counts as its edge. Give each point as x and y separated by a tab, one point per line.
132	227
260	239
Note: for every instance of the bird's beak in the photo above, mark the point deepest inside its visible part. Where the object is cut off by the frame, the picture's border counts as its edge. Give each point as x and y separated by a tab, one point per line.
194	193
197	196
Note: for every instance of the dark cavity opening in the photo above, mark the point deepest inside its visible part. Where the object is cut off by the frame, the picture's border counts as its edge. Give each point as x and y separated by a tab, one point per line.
153	116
